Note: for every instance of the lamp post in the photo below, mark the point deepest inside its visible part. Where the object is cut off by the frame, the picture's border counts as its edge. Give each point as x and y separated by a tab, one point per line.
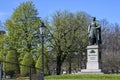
42	32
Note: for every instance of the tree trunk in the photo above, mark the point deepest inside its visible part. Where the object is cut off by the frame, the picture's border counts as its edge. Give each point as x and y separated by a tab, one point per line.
59	64
60	59
69	66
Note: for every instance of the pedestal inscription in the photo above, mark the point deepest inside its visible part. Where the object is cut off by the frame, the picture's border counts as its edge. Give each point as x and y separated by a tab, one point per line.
92	55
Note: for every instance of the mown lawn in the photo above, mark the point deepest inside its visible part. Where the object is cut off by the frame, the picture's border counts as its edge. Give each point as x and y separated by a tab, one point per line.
85	77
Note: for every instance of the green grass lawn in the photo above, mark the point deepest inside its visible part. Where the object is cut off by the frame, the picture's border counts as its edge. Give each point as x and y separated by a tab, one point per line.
85	77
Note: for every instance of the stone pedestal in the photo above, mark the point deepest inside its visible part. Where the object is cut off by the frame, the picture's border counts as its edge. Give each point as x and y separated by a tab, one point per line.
93	60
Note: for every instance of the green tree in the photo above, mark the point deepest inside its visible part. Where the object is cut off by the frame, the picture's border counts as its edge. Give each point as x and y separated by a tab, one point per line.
68	34
27	64
2	38
11	66
2	35
23	29
23	32
38	64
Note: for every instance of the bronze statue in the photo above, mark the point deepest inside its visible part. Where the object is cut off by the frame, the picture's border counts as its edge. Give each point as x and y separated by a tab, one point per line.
94	32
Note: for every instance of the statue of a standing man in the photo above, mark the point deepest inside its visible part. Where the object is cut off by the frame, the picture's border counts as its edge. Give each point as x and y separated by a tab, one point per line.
94	31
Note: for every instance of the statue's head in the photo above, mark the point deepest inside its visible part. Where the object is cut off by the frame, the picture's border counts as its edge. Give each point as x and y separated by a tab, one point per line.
42	24
94	18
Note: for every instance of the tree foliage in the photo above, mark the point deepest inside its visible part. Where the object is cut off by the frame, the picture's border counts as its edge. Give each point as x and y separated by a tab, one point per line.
39	64
22	28
2	39
110	47
68	34
27	64
23	34
11	67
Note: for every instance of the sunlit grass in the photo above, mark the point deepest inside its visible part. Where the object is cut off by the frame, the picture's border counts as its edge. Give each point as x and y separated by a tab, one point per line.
85	77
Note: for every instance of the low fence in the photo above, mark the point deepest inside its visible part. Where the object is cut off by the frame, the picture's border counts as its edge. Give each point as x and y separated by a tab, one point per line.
32	73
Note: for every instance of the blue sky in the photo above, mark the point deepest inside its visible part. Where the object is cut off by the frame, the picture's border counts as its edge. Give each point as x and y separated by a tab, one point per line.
102	9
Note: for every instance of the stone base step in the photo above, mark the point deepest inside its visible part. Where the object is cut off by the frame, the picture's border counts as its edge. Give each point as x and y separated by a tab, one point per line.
91	71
